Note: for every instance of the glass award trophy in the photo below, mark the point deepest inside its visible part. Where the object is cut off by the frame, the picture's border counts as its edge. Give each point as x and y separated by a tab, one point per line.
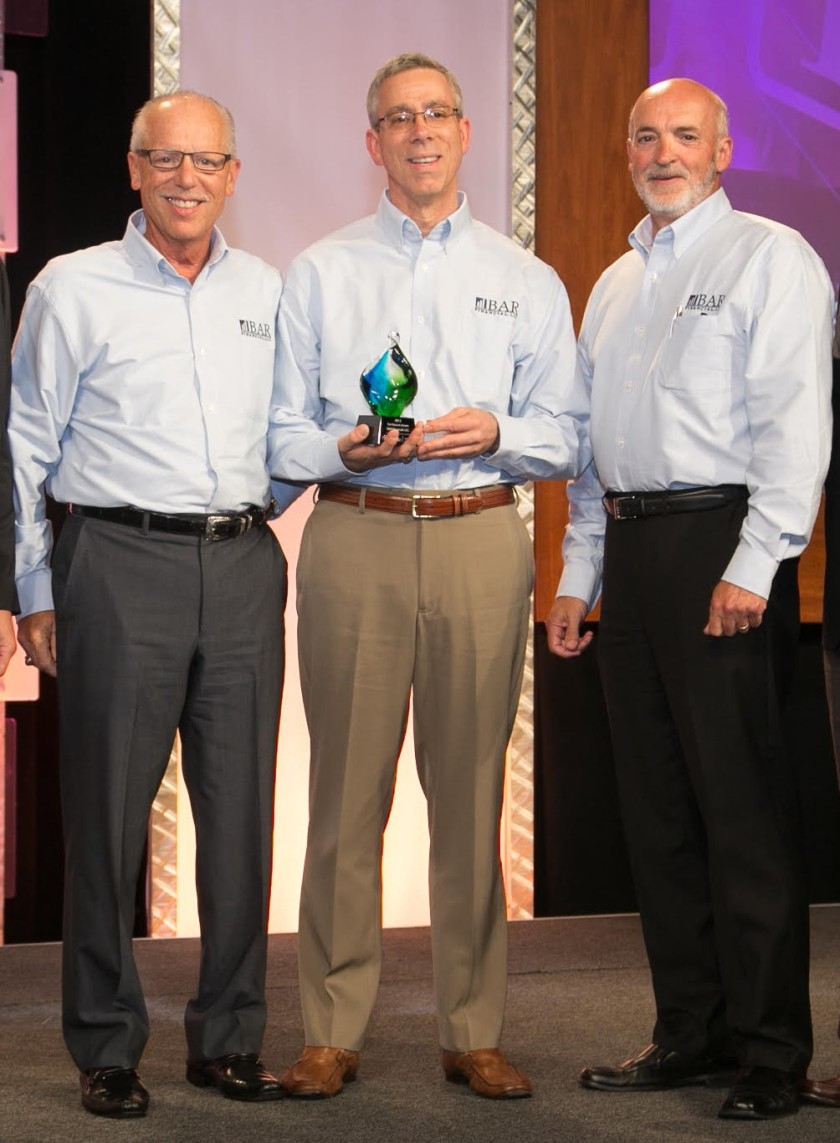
389	384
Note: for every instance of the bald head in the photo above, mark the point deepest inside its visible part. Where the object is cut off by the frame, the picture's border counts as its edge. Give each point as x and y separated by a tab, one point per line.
162	105
686	89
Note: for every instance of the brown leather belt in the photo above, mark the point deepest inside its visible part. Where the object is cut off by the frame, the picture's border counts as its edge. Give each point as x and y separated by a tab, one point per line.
434	506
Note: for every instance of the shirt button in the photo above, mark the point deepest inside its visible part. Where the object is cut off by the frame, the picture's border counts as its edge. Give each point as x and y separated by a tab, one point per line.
621	442
640	330
421	320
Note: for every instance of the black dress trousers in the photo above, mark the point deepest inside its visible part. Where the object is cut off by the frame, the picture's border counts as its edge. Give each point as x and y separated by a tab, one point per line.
708	795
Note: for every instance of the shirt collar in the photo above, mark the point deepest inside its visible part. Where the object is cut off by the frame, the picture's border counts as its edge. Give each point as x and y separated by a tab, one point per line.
401	231
142	251
684	231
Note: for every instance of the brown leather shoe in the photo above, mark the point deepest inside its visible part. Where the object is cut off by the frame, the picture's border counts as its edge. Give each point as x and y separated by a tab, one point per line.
825	1093
487	1072
320	1072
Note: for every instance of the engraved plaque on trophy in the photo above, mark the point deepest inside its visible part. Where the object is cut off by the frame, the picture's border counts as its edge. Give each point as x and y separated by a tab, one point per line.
389	385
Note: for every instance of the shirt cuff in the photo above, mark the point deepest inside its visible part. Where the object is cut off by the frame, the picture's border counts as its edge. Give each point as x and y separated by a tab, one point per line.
582	582
35	592
752	570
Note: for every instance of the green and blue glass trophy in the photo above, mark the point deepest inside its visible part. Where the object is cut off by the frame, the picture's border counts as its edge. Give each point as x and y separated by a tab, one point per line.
389	384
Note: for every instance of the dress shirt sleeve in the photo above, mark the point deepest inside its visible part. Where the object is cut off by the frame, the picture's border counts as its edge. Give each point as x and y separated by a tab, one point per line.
583	544
45	377
787	382
540	437
300	449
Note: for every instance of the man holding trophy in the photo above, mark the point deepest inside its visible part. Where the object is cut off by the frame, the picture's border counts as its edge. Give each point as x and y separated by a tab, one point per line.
426	368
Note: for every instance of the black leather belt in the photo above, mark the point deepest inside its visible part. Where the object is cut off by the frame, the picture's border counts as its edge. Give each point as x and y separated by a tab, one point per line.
220	526
639	505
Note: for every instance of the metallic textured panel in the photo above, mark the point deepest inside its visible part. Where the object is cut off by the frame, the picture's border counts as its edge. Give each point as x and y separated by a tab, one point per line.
163	830
518	840
167	46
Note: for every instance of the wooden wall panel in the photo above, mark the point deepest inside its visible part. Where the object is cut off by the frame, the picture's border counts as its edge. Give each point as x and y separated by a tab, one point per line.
592	63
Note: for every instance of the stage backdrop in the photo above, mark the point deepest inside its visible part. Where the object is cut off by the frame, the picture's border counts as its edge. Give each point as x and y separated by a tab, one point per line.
295	76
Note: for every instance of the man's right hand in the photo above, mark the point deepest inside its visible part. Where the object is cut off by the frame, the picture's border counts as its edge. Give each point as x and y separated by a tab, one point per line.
563	627
36	634
356	456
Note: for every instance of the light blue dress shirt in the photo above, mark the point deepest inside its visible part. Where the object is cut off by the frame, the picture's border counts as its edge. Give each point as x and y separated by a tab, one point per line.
131	386
483	322
707	350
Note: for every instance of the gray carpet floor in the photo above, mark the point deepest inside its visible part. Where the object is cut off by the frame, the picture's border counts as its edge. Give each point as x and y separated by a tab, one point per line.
579	993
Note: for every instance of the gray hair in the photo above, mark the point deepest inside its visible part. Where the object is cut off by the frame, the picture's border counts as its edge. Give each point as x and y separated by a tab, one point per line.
408	61
139	124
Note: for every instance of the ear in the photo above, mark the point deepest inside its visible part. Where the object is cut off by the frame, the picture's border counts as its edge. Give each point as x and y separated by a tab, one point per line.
723	154
465	127
373	146
233	168
134	170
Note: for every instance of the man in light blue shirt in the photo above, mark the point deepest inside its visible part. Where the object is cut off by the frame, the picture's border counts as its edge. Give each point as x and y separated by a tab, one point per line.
143	375
415	569
706	350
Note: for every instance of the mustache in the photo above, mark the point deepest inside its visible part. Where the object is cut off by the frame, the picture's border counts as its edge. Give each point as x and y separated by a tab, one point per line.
666	172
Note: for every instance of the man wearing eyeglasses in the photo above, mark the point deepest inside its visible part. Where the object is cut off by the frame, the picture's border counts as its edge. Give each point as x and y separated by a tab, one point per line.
143	375
415	569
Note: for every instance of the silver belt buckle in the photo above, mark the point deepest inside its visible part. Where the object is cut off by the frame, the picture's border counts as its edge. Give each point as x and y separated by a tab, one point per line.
616	502
214	527
423	515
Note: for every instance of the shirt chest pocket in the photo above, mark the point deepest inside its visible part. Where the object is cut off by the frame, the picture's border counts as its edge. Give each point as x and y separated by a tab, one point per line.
696	356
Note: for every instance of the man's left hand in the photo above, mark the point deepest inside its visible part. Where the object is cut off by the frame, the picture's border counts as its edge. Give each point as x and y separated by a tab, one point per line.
460	433
734	610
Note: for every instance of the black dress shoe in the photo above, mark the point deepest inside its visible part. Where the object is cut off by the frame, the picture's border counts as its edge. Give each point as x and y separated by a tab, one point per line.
762	1093
116	1092
657	1069
236	1076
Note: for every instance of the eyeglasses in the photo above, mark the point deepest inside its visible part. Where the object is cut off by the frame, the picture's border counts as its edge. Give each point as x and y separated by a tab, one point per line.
204	161
432	116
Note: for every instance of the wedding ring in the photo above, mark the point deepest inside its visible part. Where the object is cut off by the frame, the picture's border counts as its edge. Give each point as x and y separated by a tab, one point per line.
746	627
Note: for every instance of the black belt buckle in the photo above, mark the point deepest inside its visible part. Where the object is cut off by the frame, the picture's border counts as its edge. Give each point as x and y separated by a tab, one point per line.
225	527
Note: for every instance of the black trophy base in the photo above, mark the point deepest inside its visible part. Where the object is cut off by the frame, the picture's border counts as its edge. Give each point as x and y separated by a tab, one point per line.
379	426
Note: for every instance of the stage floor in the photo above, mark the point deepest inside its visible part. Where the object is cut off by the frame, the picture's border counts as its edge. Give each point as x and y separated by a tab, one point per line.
578	993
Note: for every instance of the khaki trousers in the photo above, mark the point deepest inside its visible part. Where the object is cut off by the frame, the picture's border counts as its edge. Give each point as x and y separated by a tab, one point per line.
388	604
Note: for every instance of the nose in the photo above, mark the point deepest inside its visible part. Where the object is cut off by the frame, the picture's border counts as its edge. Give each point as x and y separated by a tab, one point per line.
186	172
424	130
664	152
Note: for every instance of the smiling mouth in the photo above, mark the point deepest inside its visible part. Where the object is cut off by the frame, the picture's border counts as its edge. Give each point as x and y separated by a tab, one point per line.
183	202
423	160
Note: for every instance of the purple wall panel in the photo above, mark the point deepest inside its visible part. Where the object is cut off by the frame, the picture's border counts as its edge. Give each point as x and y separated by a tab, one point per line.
776	63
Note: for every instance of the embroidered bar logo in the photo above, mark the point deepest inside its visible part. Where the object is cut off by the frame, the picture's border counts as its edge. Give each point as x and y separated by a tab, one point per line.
705	303
497	309
261	330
